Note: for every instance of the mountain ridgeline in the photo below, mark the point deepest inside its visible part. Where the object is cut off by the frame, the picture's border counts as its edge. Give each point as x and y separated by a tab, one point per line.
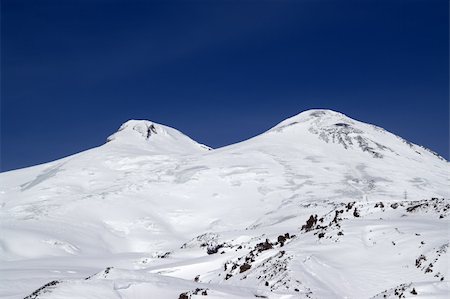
319	206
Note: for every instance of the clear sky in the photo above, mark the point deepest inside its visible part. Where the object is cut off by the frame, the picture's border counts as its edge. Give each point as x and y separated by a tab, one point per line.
219	71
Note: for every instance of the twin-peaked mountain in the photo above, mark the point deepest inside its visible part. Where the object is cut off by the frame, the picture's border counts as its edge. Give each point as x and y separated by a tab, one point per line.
276	215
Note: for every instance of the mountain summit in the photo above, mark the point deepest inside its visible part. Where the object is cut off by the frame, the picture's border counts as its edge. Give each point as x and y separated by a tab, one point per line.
336	128
319	206
137	129
159	137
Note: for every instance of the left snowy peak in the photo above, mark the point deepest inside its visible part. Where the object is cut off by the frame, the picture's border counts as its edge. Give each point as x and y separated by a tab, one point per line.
159	137
138	128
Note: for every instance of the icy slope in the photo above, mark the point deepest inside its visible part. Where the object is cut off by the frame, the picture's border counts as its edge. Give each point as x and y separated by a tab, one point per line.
165	215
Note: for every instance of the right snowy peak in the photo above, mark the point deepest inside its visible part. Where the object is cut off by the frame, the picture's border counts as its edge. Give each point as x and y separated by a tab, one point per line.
336	128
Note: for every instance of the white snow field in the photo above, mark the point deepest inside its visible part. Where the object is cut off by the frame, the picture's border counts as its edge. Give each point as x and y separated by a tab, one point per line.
319	206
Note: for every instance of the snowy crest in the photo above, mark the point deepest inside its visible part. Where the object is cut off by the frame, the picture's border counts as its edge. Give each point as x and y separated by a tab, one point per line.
313	115
336	128
159	137
142	129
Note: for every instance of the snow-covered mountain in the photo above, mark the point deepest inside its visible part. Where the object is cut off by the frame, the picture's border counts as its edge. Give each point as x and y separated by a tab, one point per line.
319	206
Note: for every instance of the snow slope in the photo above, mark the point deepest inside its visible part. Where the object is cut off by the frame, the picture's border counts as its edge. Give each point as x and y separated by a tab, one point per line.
319	206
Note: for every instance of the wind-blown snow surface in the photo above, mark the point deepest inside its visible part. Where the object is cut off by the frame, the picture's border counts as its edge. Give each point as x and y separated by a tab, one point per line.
320	206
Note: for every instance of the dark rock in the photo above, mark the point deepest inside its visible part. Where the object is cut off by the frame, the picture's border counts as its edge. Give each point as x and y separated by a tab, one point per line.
244	267
379	205
184	296
214	248
44	289
281	240
411	209
310	223
394	205
419	260
349	206
264	246
165	255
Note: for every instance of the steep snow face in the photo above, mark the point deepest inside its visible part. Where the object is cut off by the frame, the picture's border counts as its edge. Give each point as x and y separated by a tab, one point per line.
148	134
320	206
334	127
347	158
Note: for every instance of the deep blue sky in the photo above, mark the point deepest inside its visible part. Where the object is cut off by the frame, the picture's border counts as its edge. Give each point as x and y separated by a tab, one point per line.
219	71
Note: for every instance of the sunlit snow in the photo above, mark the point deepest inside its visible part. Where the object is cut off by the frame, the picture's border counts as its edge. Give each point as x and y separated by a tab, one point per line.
319	206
